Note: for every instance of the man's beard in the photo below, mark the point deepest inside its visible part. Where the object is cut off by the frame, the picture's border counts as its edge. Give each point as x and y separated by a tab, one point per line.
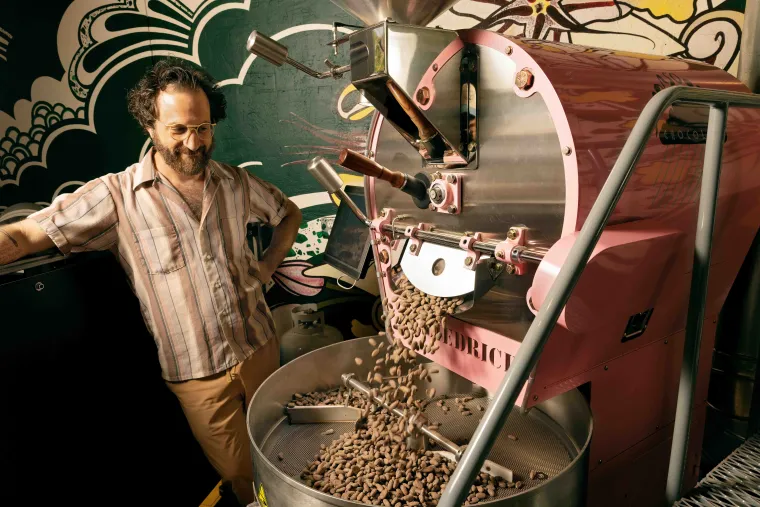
194	163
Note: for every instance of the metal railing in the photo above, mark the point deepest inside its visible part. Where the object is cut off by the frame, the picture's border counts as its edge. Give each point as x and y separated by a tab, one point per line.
536	337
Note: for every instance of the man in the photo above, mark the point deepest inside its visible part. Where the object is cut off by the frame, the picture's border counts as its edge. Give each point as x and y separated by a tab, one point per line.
177	223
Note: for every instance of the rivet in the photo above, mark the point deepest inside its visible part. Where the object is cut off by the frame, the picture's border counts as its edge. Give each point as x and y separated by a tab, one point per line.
510	269
606	367
535	397
508	50
435	67
666	342
468	261
566	150
413	248
600	462
452	209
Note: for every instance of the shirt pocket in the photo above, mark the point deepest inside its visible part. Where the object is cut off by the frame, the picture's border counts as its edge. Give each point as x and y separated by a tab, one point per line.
161	249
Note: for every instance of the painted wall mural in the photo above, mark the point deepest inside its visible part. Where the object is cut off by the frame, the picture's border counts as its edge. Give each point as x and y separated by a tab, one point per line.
65	70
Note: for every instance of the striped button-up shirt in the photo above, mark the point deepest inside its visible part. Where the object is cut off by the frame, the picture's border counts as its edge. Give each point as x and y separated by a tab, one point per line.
198	283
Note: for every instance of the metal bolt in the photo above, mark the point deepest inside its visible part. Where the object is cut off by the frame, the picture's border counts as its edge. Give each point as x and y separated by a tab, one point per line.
431	206
472	146
511	269
666	342
436	194
606	367
384	256
508	50
498	266
535	397
524	79
499	254
452	209
435	67
600	462
468	233
384	212
436	175
451	178
468	261
566	150
512	234
413	248
39	286
423	95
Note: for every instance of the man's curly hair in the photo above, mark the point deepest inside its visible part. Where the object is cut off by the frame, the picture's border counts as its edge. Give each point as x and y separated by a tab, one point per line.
172	72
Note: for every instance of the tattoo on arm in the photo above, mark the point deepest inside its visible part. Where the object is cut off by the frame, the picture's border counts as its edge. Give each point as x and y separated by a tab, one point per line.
10	238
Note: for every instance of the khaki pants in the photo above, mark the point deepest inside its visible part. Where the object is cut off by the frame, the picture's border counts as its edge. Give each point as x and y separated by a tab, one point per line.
215	408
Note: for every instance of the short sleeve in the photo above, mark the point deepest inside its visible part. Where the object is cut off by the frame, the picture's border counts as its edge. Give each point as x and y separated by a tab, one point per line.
85	220
268	203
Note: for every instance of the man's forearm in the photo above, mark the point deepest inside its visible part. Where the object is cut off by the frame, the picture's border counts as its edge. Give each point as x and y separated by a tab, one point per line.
11	244
283	237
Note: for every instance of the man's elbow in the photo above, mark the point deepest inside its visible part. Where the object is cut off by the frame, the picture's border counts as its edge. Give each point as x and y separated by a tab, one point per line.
294	213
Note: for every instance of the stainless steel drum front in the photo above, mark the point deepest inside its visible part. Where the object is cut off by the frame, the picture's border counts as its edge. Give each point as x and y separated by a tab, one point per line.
551	438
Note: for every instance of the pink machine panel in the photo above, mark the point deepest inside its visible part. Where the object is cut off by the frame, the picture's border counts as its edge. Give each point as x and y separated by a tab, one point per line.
622	330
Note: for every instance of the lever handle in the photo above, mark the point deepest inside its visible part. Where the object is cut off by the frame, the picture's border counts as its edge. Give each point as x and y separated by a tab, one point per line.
268	49
361	164
426	129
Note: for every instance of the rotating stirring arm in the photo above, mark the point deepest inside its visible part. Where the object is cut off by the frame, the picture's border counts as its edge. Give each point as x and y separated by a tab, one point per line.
418	421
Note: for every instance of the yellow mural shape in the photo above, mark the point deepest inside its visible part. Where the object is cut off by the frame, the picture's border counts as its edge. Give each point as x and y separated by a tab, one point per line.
348	179
361	109
679	10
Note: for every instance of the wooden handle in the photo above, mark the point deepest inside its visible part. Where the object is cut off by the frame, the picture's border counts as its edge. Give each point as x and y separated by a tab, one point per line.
426	130
361	164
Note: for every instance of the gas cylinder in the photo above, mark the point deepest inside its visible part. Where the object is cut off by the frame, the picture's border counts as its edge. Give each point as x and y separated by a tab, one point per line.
309	332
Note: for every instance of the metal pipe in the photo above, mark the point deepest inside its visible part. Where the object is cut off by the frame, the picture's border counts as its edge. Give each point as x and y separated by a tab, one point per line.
351	204
335	72
716	129
570	272
523	254
451	239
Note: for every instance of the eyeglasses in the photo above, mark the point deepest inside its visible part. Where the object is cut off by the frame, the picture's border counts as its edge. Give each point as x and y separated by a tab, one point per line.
180	132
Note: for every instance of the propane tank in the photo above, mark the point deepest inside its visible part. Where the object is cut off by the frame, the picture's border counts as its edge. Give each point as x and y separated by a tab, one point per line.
309	332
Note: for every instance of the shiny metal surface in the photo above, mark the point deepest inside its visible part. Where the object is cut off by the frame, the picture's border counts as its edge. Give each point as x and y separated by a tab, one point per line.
323	414
387	62
419	12
556	428
512	186
277	54
439	270
321	170
266	48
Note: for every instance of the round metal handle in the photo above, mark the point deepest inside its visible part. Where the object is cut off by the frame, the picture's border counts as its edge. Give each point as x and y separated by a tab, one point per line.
268	49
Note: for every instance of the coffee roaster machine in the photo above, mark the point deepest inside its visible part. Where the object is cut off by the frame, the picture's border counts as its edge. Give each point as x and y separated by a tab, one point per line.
591	206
